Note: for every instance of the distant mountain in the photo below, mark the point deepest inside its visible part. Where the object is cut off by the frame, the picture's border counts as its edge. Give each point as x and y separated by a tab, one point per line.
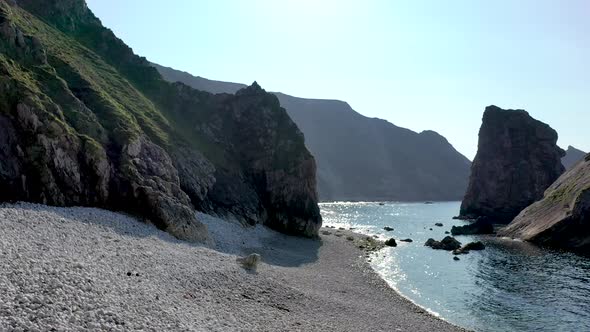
361	158
572	157
197	82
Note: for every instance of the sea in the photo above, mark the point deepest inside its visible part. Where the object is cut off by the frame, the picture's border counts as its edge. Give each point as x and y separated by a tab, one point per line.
509	286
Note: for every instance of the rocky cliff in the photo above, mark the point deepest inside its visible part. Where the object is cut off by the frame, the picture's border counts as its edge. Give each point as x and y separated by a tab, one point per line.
562	218
361	158
572	157
517	159
84	121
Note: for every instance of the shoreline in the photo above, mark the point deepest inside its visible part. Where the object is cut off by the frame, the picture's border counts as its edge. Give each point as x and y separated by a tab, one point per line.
86	268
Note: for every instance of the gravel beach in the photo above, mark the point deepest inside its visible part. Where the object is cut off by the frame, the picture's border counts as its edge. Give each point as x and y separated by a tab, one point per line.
73	269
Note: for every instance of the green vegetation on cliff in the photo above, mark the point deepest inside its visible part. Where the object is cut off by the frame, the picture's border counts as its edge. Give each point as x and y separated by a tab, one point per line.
94	124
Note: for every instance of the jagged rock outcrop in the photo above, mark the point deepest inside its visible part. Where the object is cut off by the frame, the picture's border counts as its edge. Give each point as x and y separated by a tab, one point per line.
562	218
517	159
389	163
572	157
84	121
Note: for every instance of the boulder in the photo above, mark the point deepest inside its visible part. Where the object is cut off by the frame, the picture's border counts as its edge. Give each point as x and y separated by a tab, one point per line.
449	243
517	159
468	247
387	228
406	240
439	224
391	243
481	226
249	262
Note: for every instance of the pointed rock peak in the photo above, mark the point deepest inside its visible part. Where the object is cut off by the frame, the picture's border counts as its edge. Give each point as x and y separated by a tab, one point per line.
253	89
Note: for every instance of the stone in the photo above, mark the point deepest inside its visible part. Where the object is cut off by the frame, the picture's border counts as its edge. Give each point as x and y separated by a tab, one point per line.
387	228
517	159
406	240
562	218
455	258
391	243
478	245
249	262
449	243
481	226
439	224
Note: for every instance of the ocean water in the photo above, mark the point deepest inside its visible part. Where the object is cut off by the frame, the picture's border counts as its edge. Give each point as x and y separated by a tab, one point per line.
509	286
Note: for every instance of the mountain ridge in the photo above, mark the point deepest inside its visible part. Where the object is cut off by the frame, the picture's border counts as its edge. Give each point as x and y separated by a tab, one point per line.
389	170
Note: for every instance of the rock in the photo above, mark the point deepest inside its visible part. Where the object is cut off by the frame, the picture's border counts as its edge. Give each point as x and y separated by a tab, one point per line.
148	147
438	224
449	243
478	245
406	240
430	229
447	232
481	226
560	219
387	228
249	262
468	247
326	232
350	238
391	243
455	258
517	159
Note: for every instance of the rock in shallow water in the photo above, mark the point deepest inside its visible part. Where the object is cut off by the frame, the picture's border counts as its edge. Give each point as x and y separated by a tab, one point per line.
481	226
448	243
468	247
391	243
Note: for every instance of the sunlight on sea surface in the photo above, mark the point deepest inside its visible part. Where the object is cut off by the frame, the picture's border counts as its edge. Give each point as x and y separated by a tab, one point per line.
509	286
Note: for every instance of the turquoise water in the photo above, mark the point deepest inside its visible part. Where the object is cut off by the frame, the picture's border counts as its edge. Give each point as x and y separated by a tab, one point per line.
509	286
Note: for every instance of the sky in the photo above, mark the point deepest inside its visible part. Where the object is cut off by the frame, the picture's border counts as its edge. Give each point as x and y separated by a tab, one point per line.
423	65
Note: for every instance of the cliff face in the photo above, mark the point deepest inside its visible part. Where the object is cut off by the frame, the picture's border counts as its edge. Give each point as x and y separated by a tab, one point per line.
517	159
572	157
562	218
362	158
84	121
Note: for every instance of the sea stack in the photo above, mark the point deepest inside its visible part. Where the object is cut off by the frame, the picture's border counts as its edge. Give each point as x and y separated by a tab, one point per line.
517	159
562	218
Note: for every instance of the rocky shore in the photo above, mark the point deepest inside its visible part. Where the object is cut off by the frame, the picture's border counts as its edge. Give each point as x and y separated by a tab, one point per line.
71	269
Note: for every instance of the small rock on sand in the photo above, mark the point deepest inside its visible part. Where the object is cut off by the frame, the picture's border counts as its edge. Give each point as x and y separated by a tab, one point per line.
391	243
249	262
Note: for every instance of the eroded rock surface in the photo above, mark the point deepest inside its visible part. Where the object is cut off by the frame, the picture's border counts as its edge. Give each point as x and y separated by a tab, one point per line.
517	159
562	218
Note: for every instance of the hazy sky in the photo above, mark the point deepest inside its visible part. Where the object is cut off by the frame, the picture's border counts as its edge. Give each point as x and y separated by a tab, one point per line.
419	64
